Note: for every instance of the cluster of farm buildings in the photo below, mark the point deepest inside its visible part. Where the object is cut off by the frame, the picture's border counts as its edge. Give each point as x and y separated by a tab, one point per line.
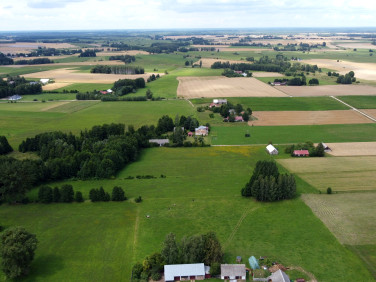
217	103
296	153
229	272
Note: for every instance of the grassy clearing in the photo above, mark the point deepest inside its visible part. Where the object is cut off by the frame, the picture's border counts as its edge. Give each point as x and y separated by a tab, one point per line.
49	97
360	102
82	241
26	70
160	62
322	77
72	107
367	254
21	120
234	134
85	87
282	104
346	174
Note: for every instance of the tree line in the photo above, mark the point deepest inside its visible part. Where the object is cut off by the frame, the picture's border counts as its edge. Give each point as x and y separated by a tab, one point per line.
268	185
318	151
204	248
5	148
38	61
124	58
89	53
117	69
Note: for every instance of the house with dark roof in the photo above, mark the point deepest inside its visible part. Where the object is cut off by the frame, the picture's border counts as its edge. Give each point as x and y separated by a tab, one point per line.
160	142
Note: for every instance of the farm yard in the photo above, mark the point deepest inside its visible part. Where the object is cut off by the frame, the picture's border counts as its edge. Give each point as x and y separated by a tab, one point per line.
342	174
327	90
267	118
196	87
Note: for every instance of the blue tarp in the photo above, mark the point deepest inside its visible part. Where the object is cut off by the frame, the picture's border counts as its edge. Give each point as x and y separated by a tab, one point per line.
253	263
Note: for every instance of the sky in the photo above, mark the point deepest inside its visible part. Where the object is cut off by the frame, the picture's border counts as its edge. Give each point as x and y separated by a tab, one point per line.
26	15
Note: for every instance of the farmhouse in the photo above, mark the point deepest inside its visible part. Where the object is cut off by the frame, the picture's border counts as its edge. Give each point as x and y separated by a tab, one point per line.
202	130
271	150
233	271
15	98
103	92
44	81
160	142
184	272
301	153
326	147
218	102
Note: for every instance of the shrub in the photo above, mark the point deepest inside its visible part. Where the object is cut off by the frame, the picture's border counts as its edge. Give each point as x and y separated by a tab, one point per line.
67	193
45	194
138	199
93	195
329	191
215	269
118	194
56	195
78	197
156	276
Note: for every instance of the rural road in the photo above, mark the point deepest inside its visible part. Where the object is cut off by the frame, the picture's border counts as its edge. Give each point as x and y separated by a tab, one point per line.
355	109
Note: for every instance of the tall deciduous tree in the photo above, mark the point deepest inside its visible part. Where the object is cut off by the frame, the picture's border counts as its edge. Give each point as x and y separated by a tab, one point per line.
170	250
17	250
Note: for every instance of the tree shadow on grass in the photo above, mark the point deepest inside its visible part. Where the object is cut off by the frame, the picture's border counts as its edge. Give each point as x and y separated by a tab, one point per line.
45	266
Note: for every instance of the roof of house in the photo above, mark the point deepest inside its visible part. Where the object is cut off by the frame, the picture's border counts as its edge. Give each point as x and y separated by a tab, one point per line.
301	152
15	97
159	141
109	90
44	80
202	127
233	270
271	148
103	92
279	276
174	270
239	118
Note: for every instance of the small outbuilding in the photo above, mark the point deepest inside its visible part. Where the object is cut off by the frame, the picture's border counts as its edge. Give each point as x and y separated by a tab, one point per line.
301	153
326	147
184	272
160	142
279	276
44	80
271	150
253	262
233	272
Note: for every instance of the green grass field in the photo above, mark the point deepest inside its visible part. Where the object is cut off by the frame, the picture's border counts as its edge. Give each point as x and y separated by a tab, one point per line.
234	134
85	87
282	104
21	120
360	102
322	77
49	97
91	240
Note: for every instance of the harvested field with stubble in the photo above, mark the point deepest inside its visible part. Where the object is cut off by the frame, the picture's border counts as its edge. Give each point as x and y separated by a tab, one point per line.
350	217
220	86
67	75
56	85
272	118
207	63
362	70
119	53
327	90
352	149
26	47
344	174
266	74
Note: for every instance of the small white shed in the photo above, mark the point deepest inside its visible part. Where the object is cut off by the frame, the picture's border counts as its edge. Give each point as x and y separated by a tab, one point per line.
44	80
271	150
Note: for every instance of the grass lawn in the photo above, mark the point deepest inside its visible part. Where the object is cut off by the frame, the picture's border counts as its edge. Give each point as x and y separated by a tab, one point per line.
234	134
89	240
21	120
84	87
282	103
49	97
368	254
360	102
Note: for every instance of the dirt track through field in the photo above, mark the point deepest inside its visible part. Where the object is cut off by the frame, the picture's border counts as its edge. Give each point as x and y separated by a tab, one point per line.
220	86
362	70
272	118
66	75
327	90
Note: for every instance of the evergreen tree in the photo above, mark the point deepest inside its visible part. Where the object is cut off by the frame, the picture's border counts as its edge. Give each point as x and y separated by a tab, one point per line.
45	194
107	197
67	193
78	197
56	195
118	194
93	195
101	194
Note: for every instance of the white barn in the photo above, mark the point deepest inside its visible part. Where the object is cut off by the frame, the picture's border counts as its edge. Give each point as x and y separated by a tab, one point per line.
233	272
271	150
44	80
184	272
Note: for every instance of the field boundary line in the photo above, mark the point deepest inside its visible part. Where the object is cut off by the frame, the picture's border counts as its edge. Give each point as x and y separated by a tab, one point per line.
237	226
355	109
189	101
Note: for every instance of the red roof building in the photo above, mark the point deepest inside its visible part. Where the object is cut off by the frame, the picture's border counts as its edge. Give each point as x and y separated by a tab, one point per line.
301	153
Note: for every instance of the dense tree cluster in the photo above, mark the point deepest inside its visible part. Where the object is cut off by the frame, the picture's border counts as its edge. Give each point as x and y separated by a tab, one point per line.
5	148
204	248
153	77
348	78
117	69
18	85
5	60
165	47
231	73
43	51
17	249
318	151
266	184
126	86
88	53
38	61
124	58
